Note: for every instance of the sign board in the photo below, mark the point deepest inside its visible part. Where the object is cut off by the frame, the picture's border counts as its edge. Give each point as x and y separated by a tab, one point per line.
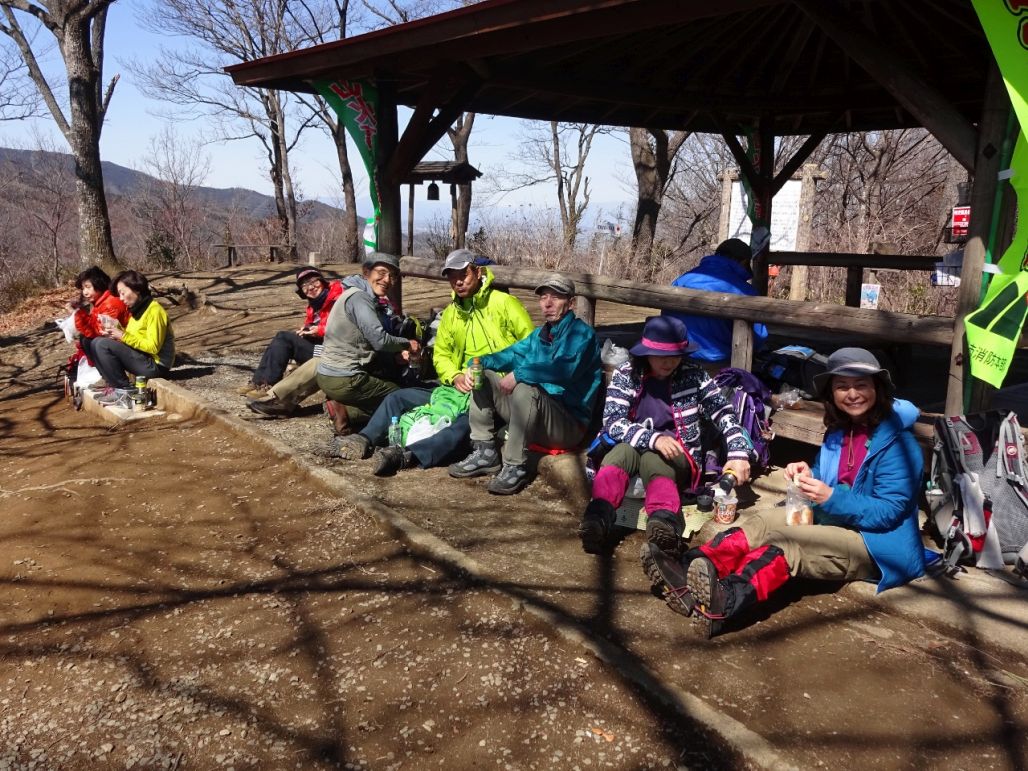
785	216
869	294
959	221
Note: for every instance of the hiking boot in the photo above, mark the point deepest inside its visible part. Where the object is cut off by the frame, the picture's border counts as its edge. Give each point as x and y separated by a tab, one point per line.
98	387
662	532
254	391
340	418
389	460
115	397
483	460
596	526
352	447
511	479
271	408
713	598
668	578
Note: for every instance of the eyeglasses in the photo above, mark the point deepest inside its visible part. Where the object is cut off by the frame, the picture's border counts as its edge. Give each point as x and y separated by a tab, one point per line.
312	283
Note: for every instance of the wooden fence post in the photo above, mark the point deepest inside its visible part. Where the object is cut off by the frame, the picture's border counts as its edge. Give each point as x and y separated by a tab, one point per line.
742	344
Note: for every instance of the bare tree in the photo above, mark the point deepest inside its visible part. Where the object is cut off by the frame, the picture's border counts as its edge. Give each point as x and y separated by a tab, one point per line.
229	32
43	195
19	98
78	27
556	153
654	155
171	205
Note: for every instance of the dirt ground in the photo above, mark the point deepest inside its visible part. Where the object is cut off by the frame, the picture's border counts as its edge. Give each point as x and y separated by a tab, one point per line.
173	597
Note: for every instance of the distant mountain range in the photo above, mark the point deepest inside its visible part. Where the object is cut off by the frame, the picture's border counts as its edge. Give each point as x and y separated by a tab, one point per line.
122	181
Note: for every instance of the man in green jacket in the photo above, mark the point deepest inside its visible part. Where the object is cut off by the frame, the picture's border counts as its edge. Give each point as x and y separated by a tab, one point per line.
479	320
545	398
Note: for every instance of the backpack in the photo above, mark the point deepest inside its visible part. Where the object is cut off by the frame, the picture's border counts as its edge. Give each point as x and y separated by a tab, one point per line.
978	491
750	399
793	365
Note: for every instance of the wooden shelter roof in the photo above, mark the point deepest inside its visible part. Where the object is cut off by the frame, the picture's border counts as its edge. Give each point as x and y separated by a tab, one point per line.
675	64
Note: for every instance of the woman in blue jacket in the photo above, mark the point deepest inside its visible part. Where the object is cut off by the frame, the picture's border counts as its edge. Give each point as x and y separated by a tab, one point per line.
864	486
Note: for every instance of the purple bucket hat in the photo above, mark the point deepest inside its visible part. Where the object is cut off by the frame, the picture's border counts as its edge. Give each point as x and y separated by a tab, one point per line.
663	336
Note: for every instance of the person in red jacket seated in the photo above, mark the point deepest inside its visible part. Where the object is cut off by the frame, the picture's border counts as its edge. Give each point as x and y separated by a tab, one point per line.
320	295
95	300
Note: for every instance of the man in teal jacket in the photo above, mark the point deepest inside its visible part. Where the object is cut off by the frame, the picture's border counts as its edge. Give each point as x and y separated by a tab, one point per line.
545	398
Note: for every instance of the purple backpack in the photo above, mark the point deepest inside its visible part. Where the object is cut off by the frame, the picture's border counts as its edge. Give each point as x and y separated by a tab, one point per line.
750	398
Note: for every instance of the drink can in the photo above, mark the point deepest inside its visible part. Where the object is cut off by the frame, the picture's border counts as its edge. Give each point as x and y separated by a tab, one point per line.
140	382
725	510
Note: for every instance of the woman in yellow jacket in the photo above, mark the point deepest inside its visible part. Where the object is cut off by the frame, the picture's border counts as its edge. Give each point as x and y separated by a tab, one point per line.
146	346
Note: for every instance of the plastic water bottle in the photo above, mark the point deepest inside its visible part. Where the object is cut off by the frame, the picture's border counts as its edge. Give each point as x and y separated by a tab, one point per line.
477	376
395	436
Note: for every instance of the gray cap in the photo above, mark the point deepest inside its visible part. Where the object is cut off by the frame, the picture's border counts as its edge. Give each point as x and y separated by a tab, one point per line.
381	258
559	284
458	259
851	362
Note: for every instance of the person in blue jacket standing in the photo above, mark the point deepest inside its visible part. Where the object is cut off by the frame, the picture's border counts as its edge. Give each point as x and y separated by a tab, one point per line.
545	398
726	270
864	486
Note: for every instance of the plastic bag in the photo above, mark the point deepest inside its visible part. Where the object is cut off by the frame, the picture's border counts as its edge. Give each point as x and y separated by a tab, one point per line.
799	510
612	356
86	374
423	428
67	326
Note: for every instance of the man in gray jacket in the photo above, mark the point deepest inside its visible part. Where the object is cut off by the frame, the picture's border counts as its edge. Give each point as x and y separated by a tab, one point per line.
352	371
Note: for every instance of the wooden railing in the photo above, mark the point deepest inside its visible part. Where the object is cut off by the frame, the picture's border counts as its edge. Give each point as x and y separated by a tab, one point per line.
855	265
275	252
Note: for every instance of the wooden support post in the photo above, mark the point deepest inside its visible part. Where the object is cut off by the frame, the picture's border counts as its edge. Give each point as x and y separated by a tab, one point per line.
314	258
390	238
808	188
763	194
585	309
410	220
991	130
854	278
273	253
233	257
724	223
742	344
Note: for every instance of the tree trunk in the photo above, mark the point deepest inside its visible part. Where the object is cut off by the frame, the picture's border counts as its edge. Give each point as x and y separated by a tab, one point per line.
351	246
95	243
461	213
653	163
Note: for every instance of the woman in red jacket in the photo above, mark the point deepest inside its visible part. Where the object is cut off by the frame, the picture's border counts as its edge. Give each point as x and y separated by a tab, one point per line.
321	295
94	287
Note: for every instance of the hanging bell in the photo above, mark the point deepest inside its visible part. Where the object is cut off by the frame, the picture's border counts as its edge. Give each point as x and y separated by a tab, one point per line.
433	192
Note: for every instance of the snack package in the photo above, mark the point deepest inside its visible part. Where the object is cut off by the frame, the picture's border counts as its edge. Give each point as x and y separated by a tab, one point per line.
799	510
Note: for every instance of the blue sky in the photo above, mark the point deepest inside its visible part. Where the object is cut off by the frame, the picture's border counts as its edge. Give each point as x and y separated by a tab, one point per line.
133	120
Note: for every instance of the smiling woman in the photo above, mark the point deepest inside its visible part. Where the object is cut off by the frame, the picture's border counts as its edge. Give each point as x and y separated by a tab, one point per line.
865	486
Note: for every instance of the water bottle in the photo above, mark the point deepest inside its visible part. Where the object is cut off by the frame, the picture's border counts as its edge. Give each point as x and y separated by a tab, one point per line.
725	484
477	377
395	436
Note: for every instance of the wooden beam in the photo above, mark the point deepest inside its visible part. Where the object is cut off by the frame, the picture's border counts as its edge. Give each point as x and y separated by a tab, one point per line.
873	324
929	106
854	278
797	160
841	260
390	236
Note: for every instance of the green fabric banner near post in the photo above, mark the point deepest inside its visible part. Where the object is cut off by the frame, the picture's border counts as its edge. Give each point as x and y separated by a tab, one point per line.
356	104
994	329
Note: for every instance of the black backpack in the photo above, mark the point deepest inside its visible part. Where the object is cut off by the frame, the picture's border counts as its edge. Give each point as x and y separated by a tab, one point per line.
792	365
978	492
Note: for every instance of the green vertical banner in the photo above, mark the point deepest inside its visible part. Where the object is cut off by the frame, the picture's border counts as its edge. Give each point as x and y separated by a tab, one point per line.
994	329
356	104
